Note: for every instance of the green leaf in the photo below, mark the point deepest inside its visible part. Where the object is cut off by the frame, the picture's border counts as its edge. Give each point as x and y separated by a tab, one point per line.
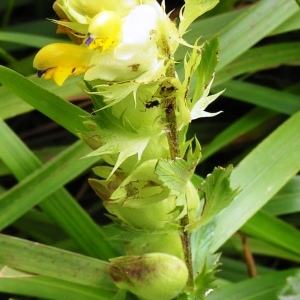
213	26
67	213
286	237
217	193
174	174
204	262
207	66
260	176
192	10
279	101
59	110
251	26
255	118
64	212
20	283
291	290
204	63
260	58
201	240
190	63
116	93
260	245
287	201
58	168
114	138
198	109
14	106
259	288
208	28
55	263
204	281
291	24
26	39
233	270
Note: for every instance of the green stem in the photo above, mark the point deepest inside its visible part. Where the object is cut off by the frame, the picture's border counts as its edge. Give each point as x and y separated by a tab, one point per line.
170	109
186	243
173	140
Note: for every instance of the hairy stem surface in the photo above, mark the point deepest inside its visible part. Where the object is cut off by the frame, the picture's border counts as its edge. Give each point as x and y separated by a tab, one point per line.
173	140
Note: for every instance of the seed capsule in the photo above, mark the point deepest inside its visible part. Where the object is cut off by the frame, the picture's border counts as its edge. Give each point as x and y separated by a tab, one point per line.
151	276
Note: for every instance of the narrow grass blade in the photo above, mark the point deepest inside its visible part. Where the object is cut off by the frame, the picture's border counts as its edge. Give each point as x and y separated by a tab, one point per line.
260	176
251	26
270	229
56	263
260	58
279	101
258	246
206	28
20	283
251	120
260	288
67	115
14	106
31	40
287	201
46	180
60	205
291	24
236	271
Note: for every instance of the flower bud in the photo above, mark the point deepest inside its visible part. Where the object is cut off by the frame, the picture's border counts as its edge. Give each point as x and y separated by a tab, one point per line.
150	276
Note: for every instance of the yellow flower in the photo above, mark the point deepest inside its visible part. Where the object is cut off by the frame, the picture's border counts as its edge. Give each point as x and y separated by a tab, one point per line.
104	31
121	41
81	11
59	61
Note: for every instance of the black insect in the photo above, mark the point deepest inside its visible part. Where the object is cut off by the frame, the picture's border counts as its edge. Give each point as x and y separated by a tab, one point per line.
152	103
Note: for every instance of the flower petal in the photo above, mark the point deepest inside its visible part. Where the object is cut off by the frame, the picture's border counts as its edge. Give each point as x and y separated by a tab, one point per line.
59	61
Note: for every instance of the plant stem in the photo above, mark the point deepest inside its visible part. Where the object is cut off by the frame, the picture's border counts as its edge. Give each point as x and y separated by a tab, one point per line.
186	243
173	140
170	108
251	267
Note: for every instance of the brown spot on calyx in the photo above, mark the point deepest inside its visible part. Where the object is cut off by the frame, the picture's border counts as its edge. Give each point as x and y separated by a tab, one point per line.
134	67
138	269
132	268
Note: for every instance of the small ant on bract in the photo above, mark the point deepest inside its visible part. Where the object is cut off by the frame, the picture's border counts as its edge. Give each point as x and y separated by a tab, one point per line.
152	103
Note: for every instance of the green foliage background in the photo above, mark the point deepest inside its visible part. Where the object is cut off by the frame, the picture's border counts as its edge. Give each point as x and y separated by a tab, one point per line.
258	133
